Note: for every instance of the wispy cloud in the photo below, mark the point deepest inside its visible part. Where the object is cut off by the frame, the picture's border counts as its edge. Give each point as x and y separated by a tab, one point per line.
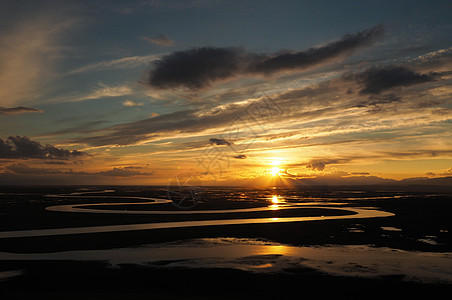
101	90
121	63
104	90
29	50
130	103
86	127
161	40
18	110
130	171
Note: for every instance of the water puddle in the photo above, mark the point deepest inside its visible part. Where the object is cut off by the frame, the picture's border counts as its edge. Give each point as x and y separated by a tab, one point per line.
389	228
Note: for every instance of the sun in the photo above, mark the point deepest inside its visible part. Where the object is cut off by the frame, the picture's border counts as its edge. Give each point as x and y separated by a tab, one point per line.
275	163
275	171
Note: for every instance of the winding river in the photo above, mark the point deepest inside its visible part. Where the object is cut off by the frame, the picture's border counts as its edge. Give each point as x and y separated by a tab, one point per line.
355	213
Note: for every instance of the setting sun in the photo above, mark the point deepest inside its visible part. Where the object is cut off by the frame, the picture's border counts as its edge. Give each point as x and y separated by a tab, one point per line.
275	171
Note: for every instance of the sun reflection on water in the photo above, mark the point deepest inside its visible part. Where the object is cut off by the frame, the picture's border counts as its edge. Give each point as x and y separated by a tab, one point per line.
276	202
275	250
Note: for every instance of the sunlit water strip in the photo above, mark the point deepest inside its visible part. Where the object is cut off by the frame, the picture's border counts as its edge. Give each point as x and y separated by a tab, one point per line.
357	213
268	257
83	208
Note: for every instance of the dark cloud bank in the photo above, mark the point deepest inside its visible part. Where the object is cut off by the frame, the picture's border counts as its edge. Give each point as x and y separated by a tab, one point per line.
199	67
377	80
16	147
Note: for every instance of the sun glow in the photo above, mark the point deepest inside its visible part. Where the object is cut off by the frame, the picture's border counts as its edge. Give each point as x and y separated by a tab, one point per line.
275	162
275	171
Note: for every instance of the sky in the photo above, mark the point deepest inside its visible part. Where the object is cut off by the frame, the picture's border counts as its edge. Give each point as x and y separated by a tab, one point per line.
224	92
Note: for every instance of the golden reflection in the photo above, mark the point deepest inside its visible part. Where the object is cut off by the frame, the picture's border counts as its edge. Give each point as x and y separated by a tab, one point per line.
276	249
262	266
275	201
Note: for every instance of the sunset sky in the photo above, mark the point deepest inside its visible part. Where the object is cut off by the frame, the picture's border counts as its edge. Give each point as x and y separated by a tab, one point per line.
224	91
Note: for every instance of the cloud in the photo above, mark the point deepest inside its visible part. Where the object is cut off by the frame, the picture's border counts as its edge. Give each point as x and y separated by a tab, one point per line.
447	172
239	120
320	163
130	171
121	63
339	179
234	117
185	121
377	80
200	67
313	56
161	40
86	127
104	90
18	110
51	162
124	172
25	169
316	166
29	50
17	147
219	142
195	68
130	103
434	55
